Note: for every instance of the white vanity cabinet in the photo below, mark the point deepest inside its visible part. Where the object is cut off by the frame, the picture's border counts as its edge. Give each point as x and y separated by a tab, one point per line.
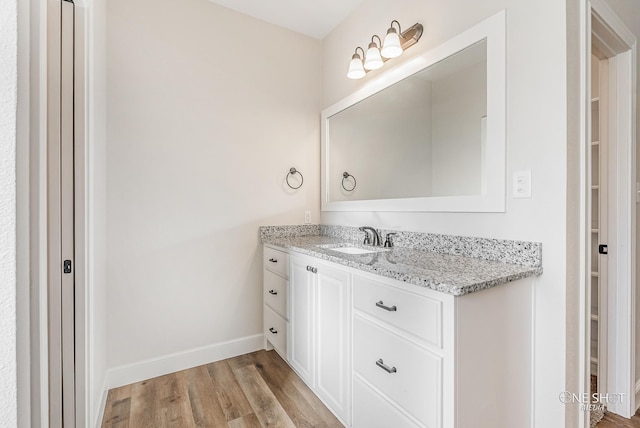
384	353
319	331
401	354
275	289
427	359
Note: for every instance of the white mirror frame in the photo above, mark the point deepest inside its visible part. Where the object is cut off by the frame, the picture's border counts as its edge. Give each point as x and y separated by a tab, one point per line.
493	30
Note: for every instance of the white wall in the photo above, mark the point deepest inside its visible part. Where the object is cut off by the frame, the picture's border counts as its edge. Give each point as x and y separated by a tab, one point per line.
536	141
8	108
207	110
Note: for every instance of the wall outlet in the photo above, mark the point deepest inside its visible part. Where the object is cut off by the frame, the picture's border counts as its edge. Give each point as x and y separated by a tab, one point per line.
522	184
307	217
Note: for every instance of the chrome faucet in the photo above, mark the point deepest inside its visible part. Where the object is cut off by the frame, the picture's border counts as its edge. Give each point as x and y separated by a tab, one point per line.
376	236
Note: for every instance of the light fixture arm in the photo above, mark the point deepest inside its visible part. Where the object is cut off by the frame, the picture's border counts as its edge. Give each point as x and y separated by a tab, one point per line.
379	44
399	28
356	52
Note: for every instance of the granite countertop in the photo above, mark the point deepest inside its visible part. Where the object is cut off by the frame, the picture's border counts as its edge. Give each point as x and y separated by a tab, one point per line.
452	274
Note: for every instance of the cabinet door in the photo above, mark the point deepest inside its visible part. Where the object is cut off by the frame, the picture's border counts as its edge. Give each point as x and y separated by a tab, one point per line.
301	315
333	338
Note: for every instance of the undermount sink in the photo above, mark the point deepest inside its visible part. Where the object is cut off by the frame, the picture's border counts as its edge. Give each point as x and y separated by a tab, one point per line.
353	250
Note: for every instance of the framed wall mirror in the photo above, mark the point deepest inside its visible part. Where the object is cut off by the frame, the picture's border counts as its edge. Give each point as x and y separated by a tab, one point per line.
428	135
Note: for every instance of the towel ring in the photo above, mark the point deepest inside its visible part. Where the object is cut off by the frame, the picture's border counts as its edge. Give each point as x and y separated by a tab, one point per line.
293	171
346	175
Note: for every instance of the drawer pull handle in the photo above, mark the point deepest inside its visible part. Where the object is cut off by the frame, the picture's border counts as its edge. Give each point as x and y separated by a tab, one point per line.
272	260
381	304
274	331
385	367
273	292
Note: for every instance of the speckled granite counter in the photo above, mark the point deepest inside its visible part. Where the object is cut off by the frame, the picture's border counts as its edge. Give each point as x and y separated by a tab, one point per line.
453	265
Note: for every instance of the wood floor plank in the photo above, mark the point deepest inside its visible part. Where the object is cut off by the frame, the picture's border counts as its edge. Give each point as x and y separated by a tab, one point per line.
265	405
247	421
230	396
203	400
117	412
297	391
144	406
251	391
175	408
614	421
304	412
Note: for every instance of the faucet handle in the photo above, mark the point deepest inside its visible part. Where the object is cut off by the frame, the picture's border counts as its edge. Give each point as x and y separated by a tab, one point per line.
367	237
388	243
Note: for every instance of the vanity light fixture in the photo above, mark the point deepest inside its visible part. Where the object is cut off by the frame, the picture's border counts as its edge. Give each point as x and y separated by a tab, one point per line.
395	42
356	69
373	60
391	47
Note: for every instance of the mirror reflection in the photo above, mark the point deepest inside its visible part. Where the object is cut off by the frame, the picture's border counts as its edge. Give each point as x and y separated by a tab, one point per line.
421	137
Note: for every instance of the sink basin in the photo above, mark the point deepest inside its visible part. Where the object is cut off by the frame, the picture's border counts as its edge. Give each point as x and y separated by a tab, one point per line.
350	249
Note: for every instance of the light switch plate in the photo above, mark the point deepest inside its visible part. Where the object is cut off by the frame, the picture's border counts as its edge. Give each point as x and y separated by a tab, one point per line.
522	184
307	217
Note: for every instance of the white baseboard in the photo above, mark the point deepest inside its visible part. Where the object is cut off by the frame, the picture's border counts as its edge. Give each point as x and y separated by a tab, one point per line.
103	403
136	372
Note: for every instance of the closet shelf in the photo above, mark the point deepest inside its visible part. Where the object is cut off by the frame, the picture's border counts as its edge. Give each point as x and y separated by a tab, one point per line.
595	187
595	99
595	143
594	274
594	360
594	317
595	230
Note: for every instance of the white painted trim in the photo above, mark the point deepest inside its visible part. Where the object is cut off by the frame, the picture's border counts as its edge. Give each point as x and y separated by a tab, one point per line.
584	340
103	404
493	29
621	272
154	367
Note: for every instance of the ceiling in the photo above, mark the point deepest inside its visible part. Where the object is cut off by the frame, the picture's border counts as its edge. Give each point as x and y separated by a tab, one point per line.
312	18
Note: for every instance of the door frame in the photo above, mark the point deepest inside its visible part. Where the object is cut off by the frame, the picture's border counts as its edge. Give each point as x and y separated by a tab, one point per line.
610	31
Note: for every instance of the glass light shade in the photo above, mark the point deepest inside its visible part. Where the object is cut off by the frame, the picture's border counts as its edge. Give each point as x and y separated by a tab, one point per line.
373	60
391	47
356	70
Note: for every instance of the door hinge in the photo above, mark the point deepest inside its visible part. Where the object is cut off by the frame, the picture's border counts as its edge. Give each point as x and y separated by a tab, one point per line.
66	266
603	249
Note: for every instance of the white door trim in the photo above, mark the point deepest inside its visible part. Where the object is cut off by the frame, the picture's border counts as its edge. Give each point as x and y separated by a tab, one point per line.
613	35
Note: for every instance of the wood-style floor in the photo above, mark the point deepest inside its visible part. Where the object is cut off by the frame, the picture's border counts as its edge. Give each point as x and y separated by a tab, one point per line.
250	391
614	421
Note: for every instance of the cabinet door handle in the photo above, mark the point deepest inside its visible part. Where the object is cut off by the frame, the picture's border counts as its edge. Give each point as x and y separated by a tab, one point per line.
314	270
274	331
273	292
381	305
385	367
272	260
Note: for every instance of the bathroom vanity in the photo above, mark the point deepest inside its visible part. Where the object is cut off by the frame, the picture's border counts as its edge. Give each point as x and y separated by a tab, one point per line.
404	336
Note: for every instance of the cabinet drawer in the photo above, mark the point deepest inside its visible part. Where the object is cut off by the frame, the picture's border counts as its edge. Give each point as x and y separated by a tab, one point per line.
417	315
275	330
405	373
370	410
276	261
275	293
